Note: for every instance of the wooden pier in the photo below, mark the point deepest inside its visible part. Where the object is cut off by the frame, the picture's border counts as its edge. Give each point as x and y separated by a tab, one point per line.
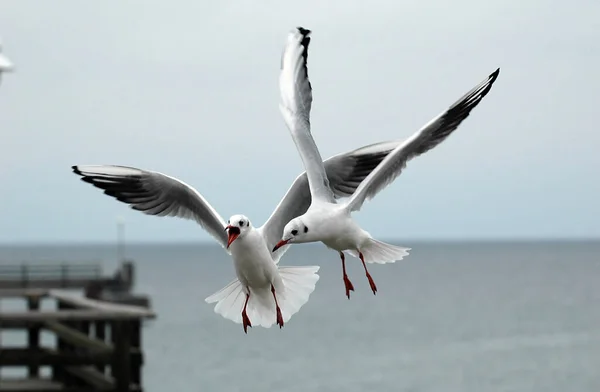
98	344
85	276
59	275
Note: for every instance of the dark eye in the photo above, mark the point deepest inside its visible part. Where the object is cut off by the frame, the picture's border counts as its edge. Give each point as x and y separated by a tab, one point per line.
241	223
305	229
294	232
227	221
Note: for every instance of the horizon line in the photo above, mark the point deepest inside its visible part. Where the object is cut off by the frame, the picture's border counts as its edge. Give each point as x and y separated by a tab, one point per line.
212	242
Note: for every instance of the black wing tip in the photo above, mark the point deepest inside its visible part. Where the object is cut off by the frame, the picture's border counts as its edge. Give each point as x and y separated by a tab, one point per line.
305	33
76	170
489	83
462	108
493	76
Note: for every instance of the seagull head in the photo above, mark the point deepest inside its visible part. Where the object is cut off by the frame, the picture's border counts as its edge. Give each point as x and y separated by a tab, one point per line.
294	232
237	226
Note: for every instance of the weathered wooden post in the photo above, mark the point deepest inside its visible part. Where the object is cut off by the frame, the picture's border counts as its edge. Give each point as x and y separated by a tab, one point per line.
33	335
58	373
100	334
136	355
121	363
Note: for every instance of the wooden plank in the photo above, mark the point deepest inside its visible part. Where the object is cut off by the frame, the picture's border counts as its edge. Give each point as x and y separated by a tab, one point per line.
92	377
78	339
26	270
17	325
88	303
49	283
22	292
38	385
29	385
33	276
22	318
49	357
50	265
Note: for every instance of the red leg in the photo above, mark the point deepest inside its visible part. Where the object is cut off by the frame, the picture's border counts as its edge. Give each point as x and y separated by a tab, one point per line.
371	282
245	319
279	317
347	283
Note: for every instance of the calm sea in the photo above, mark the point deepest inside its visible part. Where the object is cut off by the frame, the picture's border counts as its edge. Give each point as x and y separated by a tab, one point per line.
467	317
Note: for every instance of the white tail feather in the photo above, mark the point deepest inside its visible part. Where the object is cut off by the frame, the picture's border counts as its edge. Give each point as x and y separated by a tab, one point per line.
379	252
299	283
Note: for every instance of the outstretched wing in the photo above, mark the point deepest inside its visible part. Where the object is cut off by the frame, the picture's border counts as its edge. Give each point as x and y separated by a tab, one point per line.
296	101
154	193
432	134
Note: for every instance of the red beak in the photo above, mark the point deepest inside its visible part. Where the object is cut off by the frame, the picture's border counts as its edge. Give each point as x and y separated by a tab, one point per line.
233	233
280	244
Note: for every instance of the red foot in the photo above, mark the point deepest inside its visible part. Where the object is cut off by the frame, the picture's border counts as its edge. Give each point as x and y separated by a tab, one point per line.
371	282
245	320
279	316
349	286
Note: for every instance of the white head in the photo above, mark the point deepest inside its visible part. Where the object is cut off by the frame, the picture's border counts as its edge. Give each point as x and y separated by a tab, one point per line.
237	226
296	231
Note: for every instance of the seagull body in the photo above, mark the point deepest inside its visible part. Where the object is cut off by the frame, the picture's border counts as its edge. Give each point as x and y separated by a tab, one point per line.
249	299
326	220
252	262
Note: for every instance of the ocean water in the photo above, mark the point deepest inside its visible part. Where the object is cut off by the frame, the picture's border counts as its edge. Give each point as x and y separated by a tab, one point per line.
468	317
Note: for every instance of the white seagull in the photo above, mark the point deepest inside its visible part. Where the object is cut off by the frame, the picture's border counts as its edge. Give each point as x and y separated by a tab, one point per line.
326	220
263	293
5	64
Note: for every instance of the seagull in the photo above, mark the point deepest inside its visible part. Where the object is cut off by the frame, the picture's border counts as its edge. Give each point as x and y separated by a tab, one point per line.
5	64
263	293
326	220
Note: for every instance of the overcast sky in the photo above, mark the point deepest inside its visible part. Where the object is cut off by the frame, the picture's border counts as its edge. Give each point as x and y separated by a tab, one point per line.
189	88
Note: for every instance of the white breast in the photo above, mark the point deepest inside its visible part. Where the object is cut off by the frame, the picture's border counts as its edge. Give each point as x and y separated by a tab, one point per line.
336	228
252	260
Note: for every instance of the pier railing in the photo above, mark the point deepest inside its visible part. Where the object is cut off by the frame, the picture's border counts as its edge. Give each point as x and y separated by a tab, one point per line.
98	344
56	275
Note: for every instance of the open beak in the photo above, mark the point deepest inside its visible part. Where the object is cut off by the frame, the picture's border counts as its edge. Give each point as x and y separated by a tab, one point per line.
280	244
233	233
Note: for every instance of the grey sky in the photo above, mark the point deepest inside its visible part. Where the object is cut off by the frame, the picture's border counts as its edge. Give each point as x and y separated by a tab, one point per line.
189	88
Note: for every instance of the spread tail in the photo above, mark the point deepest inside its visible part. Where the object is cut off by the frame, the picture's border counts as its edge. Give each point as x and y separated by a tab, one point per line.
381	253
299	283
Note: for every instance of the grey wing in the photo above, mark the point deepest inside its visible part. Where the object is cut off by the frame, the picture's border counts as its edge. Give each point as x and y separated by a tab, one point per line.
345	172
295	106
295	203
429	136
154	193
